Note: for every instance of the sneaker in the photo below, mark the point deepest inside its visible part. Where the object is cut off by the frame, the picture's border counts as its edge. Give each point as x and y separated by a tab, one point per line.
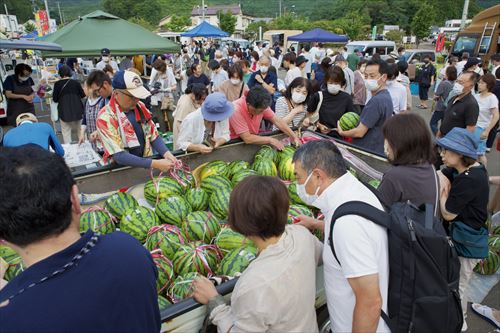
488	149
464	326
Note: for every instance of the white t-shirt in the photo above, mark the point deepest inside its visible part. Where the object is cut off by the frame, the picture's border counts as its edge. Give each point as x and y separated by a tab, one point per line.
101	64
485	105
398	95
360	245
291	75
460	66
310	59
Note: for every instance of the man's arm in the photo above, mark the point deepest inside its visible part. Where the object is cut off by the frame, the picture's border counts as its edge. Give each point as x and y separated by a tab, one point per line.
368	305
250	139
282	126
54	142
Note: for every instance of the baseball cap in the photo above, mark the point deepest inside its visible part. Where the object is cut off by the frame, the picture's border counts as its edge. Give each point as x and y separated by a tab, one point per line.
460	141
300	60
131	82
216	107
472	61
105	52
24	117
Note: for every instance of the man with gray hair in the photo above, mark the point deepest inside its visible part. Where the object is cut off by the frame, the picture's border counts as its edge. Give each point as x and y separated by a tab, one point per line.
263	77
357	284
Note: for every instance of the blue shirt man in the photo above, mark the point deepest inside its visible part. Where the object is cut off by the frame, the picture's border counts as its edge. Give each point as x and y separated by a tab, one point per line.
29	131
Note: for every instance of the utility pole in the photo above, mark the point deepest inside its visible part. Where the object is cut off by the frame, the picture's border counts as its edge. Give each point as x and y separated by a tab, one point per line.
8	19
280	8
464	14
47	10
203	10
60	14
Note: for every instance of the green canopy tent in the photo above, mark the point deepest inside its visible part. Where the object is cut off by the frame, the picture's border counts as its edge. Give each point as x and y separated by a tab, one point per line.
89	34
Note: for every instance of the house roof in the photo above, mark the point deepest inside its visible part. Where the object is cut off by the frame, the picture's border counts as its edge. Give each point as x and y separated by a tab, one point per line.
212	10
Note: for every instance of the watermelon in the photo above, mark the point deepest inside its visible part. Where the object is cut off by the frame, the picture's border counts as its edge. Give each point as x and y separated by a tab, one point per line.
228	240
197	198
265	167
286	168
161	188
349	121
292	193
288	151
214	182
267	152
216	167
138	221
165	271
236	166
201	226
98	220
182	287
183	177
163	303
173	210
489	265
236	261
196	257
167	238
119	203
296	210
14	261
219	203
496	231
494	243
242	174
374	183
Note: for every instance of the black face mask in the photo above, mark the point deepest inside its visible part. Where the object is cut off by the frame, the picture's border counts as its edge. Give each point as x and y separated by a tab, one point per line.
426	61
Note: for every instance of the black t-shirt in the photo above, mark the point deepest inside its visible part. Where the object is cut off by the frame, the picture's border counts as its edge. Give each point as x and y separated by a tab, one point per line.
332	107
468	195
460	113
203	79
69	93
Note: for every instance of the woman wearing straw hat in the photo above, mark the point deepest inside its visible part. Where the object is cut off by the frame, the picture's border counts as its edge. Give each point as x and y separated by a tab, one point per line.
464	201
208	127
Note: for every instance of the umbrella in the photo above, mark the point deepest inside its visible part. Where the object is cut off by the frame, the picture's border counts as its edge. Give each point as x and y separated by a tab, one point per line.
21	44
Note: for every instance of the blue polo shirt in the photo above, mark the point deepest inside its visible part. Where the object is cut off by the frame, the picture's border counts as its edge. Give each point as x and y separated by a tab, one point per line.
270	78
112	288
41	134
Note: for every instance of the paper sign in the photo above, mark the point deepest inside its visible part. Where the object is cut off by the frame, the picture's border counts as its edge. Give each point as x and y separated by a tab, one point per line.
77	155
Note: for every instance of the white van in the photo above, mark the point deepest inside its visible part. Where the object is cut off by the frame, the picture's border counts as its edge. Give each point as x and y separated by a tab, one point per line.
370	47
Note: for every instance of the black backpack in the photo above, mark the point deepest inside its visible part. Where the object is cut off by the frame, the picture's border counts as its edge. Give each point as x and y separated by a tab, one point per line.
424	269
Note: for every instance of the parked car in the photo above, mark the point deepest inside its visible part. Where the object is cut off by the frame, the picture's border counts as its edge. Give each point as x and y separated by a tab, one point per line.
370	47
415	58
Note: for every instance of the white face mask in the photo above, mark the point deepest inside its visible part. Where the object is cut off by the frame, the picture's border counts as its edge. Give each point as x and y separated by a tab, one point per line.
478	70
371	84
235	81
458	88
264	69
105	58
308	199
333	88
298	98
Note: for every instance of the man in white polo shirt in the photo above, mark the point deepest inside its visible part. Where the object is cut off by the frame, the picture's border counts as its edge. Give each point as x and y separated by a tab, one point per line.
397	91
356	289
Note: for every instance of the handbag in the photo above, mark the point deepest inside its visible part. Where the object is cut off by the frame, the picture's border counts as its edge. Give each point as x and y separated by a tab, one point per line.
167	103
54	106
469	242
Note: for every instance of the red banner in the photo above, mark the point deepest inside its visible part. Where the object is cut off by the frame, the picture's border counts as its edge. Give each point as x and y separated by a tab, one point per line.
42	21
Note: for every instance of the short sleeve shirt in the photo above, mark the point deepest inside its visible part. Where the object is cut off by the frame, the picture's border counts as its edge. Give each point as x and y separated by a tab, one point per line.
460	113
242	122
270	78
485	105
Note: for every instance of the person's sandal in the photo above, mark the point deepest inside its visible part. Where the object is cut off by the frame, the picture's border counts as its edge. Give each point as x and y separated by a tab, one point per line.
486	313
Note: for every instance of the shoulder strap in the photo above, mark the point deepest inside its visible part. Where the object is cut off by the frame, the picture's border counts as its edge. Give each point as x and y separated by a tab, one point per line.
320	94
242	86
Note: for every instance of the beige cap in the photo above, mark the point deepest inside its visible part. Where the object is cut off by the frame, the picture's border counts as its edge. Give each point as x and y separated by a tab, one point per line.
26	116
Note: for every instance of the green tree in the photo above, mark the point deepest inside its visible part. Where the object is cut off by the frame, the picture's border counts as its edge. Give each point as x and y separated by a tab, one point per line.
143	23
126	9
355	24
23	9
395	35
227	21
178	23
29	27
423	20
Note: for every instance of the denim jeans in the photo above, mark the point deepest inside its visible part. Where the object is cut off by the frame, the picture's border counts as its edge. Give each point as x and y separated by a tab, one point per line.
436	117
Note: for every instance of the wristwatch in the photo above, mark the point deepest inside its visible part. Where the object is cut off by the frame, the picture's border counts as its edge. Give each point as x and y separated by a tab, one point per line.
215	302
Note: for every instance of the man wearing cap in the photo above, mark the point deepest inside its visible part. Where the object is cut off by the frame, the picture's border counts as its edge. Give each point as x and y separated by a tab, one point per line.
30	131
348	73
301	63
126	129
106	60
208	127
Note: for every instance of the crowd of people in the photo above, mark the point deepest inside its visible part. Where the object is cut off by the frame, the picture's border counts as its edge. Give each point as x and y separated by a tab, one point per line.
207	95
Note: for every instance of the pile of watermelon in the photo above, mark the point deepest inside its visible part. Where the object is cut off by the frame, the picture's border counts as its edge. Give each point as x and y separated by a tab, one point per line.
491	264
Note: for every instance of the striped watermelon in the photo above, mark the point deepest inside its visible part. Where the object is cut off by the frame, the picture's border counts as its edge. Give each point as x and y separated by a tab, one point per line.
374	183
173	210
288	151
215	182
267	152
184	178
286	168
197	198
236	166
349	121
167	238
242	174
228	240
296	210
201	226
161	188
216	167
98	220
494	243
138	221
163	303
13	259
236	261
496	231
182	287
119	203
219	203
165	271
490	265
294	196
265	167
196	257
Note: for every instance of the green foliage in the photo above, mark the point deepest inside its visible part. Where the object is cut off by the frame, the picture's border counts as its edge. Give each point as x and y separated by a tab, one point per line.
355	24
29	27
179	8
127	9
422	21
22	8
395	36
178	23
227	22
142	22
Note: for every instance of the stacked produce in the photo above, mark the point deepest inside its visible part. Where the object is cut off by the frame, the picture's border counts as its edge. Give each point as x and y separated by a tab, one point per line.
491	264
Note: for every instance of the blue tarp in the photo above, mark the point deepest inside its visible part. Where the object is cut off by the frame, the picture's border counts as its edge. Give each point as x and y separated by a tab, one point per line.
319	35
31	35
205	29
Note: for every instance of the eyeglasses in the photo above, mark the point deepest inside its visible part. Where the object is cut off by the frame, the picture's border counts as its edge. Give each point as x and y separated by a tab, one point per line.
442	150
97	91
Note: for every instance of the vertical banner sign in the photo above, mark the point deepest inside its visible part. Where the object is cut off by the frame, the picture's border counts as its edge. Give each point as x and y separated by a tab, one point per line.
374	32
38	24
44	21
